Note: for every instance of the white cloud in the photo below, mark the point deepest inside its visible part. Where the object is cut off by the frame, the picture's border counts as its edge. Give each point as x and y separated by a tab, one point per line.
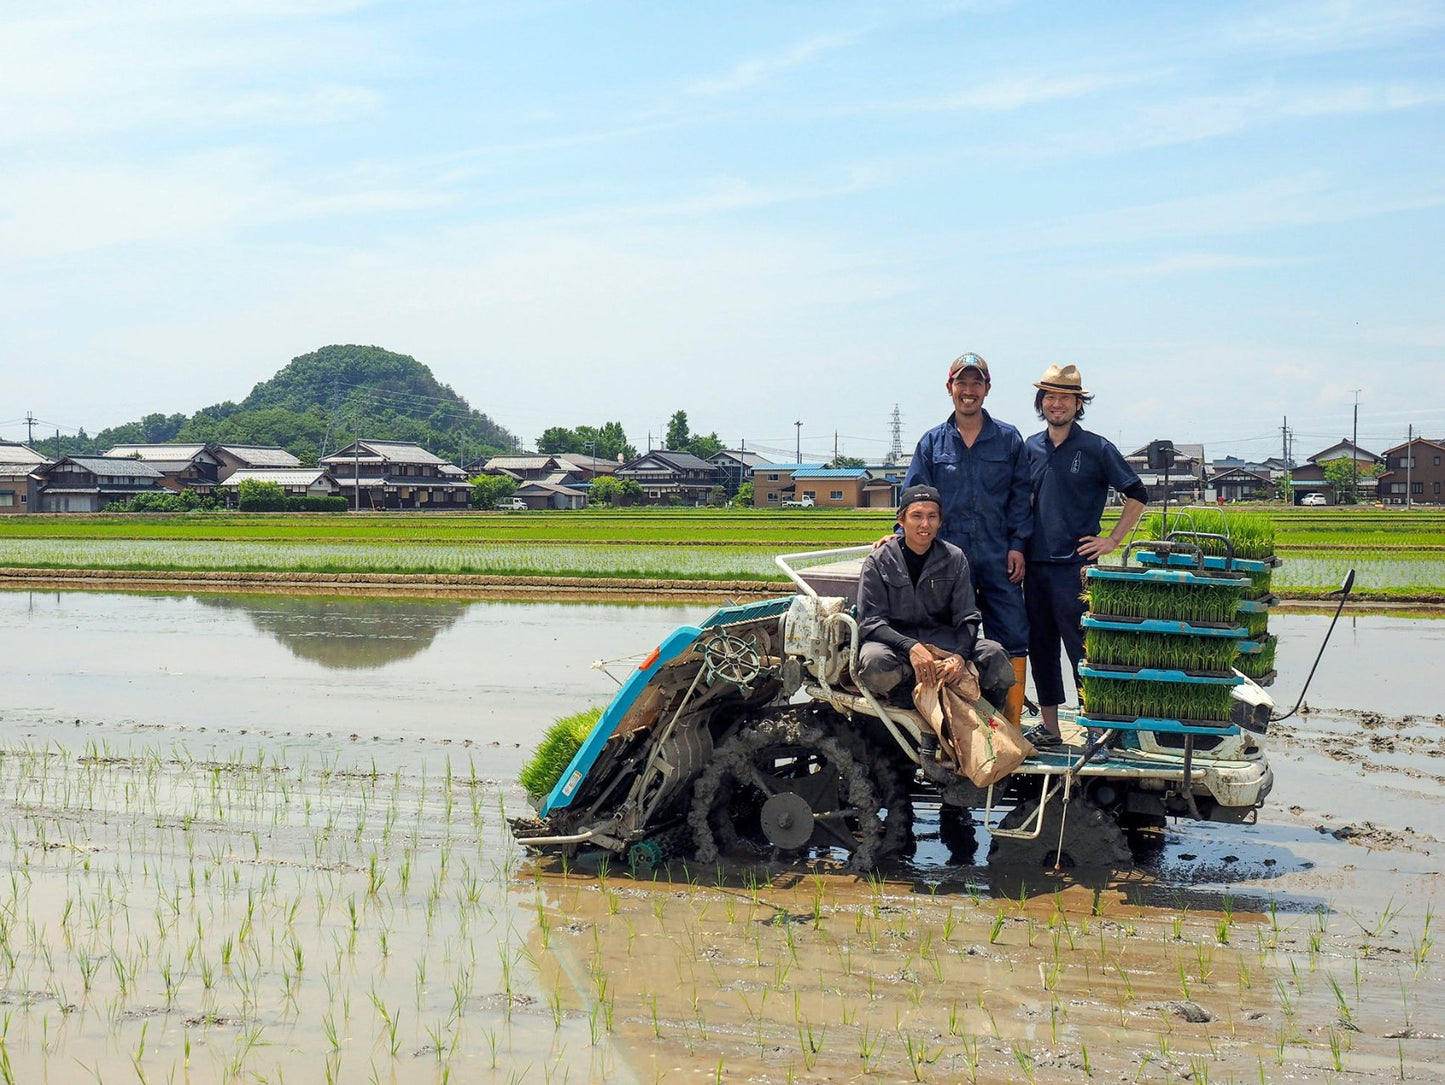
1311	27
111	70
1189	263
757	70
1018	92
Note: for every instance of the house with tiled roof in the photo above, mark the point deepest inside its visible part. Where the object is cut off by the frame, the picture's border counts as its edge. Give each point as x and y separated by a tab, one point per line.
551	495
295	481
1414	473
236	457
668	477
773	483
182	466
737	466
396	475
19	483
1309	477
90	483
1185	476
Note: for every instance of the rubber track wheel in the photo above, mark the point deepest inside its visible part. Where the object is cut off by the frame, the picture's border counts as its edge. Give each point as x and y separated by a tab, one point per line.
733	762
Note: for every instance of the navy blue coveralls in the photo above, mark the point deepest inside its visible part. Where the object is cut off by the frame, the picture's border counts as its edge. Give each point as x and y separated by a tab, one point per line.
986	514
1070	485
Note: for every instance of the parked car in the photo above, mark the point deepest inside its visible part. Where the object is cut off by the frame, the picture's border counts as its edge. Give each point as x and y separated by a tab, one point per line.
800	503
514	504
1313	499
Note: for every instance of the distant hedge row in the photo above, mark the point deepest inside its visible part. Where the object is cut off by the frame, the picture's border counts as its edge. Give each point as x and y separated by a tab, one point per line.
294	504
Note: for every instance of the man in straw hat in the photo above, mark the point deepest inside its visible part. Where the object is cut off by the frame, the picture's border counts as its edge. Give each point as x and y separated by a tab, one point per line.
980	468
1071	471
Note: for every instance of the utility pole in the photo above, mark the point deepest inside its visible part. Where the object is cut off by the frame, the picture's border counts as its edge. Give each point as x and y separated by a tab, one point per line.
798	429
30	429
1355	453
1409	463
835	448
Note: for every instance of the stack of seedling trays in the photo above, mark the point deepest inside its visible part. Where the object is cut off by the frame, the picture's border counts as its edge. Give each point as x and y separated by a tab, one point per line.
1238	543
1160	644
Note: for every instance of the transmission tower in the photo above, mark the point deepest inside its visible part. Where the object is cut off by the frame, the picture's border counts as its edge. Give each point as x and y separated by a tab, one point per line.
895	450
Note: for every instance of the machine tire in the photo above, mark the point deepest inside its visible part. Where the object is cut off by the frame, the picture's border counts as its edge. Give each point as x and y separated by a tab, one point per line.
1092	839
789	754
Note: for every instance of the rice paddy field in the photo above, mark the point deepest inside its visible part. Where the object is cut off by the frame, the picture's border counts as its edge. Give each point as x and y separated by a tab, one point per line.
229	856
1397	554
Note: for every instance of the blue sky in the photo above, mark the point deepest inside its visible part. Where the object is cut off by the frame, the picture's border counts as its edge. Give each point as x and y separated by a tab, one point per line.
1224	213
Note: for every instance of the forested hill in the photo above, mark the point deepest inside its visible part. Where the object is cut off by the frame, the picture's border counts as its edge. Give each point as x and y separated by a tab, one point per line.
323	401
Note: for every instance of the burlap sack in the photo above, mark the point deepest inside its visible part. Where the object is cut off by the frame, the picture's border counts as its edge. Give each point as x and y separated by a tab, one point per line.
977	740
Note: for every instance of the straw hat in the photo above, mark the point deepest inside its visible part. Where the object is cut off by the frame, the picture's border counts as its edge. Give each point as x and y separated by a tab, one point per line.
1062	379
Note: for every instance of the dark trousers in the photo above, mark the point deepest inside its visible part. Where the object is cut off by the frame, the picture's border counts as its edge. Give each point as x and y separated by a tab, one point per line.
1001	603
1053	595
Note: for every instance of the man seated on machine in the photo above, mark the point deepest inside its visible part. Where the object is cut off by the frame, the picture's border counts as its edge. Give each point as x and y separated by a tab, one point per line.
915	593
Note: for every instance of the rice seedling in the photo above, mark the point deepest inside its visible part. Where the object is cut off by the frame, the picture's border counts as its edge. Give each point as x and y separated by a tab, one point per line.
1143	598
1250	534
559	744
1258	664
1155	650
1208	703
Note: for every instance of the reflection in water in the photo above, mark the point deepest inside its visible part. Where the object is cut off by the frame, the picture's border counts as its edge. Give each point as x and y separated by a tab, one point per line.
342	632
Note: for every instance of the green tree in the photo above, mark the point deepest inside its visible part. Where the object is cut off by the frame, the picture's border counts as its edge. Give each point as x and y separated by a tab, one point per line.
1341	474
678	434
556	440
606	490
703	447
607	442
629	492
254	496
848	461
743	499
489	491
717	497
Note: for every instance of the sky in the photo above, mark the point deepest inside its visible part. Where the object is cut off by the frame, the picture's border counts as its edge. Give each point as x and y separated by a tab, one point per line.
764	214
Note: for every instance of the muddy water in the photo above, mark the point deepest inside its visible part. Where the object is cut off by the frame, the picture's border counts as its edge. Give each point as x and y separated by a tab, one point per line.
270	781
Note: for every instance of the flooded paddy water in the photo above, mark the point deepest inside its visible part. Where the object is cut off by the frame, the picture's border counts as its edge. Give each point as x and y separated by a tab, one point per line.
263	838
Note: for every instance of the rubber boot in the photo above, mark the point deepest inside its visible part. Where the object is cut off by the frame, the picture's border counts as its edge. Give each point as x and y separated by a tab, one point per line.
1014	706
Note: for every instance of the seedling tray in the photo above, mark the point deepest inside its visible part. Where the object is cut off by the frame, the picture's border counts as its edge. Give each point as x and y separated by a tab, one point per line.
1210	561
1163	625
1150	723
1257	606
1149	674
1210	578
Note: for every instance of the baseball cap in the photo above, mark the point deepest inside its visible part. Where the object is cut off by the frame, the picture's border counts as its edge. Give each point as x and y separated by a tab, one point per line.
915	494
969	361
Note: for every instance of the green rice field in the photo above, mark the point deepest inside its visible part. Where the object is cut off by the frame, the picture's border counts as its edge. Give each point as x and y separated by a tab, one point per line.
1397	554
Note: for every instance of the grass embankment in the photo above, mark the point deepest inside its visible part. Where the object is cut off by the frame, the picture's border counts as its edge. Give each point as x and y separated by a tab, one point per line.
1398	554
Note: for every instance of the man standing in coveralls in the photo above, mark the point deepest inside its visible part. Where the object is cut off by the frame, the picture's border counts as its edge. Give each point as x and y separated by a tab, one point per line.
980	467
1071	471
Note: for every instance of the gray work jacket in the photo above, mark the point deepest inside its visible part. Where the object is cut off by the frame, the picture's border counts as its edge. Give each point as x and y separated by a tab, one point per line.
940	610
